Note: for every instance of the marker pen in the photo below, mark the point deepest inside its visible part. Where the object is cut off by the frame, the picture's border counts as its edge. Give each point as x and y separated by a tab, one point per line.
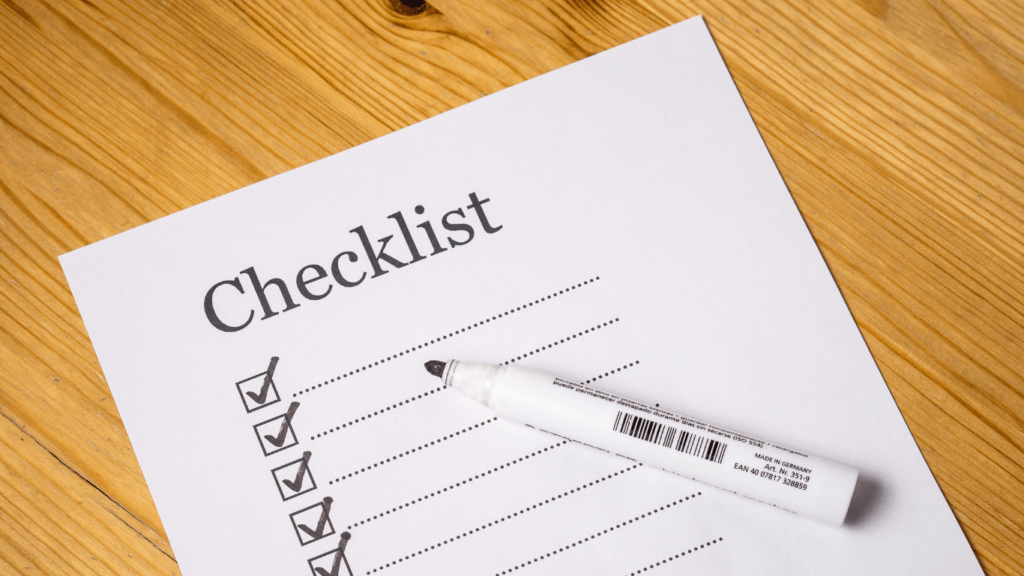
785	478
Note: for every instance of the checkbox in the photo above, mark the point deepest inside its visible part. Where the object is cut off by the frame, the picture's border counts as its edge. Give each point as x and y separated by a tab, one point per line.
259	391
277	434
294	478
313	523
330	563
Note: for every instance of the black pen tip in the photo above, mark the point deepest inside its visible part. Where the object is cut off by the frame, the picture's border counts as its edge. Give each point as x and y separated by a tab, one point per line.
435	367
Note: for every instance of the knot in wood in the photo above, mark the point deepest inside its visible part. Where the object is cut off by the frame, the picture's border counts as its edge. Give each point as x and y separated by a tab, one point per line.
409	7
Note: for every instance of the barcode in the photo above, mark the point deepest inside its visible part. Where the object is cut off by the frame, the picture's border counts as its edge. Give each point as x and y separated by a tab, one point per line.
669	437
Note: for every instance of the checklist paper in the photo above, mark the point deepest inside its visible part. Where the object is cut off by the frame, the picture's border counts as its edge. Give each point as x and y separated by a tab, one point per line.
618	222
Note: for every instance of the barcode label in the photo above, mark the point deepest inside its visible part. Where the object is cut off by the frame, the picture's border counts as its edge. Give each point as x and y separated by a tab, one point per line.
669	437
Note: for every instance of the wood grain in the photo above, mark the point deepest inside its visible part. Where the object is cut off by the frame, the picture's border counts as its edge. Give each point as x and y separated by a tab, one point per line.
897	124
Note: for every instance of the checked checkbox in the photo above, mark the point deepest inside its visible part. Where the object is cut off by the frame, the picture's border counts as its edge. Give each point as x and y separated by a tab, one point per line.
259	391
329	564
277	434
294	478
313	523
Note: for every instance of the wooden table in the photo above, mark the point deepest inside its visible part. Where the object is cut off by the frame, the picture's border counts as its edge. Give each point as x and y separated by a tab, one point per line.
897	124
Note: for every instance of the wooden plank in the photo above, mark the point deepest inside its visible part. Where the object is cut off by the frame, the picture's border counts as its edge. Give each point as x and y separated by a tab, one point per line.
56	521
897	125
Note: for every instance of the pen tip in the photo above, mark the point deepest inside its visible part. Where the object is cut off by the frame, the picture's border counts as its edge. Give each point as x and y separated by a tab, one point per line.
435	367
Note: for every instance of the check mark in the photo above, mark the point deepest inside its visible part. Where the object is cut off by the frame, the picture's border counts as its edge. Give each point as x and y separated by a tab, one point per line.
338	557
262	396
283	432
322	523
296	485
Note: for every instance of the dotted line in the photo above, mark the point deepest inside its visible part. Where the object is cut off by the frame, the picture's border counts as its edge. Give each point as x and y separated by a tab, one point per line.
599	376
445	337
376	413
416	449
453	486
562	341
596	535
509	517
420	396
677	556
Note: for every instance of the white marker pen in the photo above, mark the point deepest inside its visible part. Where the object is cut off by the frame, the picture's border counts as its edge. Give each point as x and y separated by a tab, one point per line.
772	474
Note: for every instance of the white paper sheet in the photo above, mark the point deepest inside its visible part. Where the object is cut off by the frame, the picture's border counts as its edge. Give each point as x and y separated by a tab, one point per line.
638	237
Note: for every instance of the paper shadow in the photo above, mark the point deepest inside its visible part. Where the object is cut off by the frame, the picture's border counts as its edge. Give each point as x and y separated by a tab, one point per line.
867	498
